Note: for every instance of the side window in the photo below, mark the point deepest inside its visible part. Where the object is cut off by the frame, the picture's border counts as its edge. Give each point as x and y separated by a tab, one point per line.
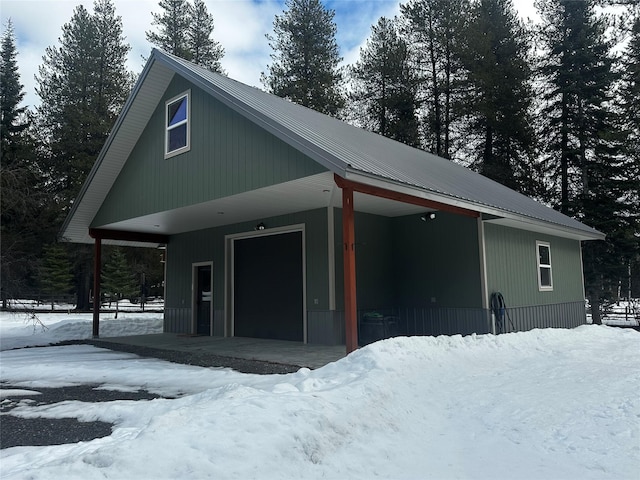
177	125
545	278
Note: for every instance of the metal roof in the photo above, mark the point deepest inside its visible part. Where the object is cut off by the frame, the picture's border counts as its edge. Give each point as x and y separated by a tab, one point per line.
350	152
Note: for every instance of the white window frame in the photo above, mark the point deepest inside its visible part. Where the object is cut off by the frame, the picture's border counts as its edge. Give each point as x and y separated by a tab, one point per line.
167	128
540	266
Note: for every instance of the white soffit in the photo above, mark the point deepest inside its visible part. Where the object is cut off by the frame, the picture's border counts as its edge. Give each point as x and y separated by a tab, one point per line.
317	191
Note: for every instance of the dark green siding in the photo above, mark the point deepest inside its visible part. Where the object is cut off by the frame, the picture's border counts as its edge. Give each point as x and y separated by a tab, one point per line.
512	267
405	262
374	261
228	155
437	260
209	245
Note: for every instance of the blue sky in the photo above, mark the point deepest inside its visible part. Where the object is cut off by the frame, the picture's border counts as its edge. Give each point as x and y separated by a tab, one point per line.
240	26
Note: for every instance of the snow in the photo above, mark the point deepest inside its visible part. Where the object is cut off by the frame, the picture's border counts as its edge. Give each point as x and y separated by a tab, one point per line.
22	330
551	403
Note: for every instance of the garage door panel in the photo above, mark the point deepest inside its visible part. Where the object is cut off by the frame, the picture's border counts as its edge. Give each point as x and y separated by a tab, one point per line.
268	287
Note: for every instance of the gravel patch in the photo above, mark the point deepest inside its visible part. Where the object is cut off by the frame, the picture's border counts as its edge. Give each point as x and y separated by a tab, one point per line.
17	431
199	359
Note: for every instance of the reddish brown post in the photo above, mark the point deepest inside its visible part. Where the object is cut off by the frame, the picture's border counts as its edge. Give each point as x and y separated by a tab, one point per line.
350	301
97	260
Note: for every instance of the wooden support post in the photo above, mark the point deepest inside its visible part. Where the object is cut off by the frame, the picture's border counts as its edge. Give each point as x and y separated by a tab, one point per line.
349	253
97	260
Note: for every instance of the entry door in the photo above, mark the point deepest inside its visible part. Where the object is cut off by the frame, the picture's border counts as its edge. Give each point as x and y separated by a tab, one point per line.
204	297
268	287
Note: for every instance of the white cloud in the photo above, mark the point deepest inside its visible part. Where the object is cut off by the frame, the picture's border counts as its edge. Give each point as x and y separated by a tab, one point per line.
240	27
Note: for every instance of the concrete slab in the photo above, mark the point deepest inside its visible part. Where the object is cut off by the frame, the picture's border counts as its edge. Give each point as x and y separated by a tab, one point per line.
258	349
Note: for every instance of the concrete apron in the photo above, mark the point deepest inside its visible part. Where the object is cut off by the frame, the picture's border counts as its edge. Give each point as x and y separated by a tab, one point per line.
258	349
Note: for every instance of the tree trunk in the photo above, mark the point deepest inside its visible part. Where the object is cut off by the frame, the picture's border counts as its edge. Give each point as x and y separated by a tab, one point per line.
82	297
84	268
437	125
594	301
564	159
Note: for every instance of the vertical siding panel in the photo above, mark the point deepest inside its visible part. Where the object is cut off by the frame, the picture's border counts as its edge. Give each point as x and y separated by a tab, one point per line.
208	245
229	150
512	269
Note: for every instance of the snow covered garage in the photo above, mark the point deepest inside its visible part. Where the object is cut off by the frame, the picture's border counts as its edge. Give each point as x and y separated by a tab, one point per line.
281	222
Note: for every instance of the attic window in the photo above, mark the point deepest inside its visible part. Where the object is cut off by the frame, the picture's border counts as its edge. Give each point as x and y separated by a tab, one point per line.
545	279
177	131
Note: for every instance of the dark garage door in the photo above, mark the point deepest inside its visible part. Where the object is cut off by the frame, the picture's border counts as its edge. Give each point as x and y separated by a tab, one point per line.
268	287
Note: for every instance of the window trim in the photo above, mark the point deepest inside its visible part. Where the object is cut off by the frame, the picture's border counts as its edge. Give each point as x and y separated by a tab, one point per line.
540	266
167	128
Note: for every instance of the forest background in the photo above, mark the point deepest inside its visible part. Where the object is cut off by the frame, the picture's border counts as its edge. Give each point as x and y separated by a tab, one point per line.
550	108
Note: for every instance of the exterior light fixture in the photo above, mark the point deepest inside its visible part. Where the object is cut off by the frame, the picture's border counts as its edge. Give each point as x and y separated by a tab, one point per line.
260	226
428	216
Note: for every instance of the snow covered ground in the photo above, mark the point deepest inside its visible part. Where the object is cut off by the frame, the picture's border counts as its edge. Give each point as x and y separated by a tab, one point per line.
41	306
545	404
624	313
22	329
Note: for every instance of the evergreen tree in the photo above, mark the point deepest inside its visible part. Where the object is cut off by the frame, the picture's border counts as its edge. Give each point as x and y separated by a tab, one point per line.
19	180
186	30
56	278
306	57
173	23
114	81
498	99
578	72
630	126
584	146
384	86
204	50
11	94
630	104
435	29
117	280
83	84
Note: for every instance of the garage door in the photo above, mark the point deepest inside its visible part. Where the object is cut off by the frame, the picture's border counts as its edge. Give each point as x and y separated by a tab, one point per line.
268	287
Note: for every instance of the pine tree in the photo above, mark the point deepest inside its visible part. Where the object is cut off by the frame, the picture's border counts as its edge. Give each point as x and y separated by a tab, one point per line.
117	280
630	104
578	72
56	278
584	146
83	84
114	81
306	57
630	126
498	99
384	86
434	29
19	179
204	50
173	23
12	121
186	30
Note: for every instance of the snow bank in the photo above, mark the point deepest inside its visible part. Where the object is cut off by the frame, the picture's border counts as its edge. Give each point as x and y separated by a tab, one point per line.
559	404
21	330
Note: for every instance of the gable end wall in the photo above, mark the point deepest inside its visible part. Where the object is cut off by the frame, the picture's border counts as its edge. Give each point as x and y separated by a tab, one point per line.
228	155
